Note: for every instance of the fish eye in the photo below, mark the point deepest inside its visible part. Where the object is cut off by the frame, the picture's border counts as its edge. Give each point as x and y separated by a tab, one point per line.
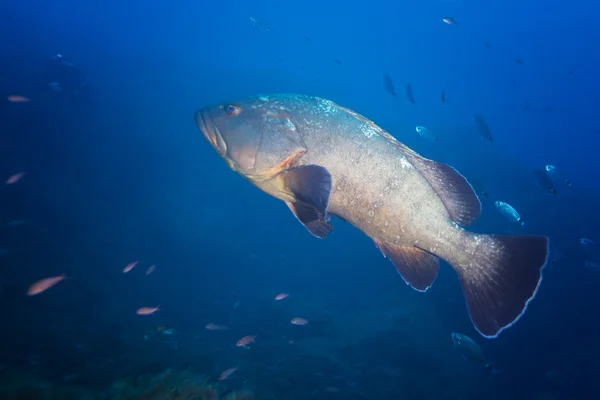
232	109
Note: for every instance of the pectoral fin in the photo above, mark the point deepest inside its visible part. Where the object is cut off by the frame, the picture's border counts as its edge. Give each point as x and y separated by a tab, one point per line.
311	219
307	189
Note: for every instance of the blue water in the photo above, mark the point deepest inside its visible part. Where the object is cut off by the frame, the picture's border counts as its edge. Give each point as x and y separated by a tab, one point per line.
124	174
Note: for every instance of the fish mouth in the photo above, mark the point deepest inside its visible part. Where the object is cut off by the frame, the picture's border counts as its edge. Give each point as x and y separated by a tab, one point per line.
210	131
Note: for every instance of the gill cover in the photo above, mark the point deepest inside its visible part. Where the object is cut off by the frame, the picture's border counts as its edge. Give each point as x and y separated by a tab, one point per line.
242	138
260	139
281	144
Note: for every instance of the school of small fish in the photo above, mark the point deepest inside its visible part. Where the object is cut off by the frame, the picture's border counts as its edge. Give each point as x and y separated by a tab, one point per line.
245	342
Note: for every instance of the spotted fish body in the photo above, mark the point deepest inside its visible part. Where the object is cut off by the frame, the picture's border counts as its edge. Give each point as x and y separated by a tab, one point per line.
375	186
325	160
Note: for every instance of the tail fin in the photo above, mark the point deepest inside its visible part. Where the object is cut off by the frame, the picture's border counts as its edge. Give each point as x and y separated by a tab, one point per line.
501	279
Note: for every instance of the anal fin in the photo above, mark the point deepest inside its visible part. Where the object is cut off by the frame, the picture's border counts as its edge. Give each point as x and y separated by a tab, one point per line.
417	267
307	195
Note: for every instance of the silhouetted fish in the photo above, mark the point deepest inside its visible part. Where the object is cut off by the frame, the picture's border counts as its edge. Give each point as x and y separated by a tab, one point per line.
470	351
544	182
409	93
482	127
553	171
388	85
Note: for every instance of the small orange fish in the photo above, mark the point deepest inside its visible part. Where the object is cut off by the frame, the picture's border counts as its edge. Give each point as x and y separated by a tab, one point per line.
44	284
146	310
449	20
15	178
227	373
299	321
245	341
130	266
281	296
215	327
18	99
443	96
150	269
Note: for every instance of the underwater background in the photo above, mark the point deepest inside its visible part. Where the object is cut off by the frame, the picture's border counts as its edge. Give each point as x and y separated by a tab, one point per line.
123	175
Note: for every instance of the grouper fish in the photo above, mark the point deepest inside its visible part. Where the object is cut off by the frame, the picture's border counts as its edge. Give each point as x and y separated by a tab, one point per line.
325	160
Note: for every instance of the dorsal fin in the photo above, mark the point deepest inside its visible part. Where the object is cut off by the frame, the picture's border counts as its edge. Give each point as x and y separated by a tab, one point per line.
454	190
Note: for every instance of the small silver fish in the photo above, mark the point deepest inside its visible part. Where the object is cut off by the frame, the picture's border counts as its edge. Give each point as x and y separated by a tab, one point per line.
425	133
449	20
509	212
555	172
470	351
259	26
